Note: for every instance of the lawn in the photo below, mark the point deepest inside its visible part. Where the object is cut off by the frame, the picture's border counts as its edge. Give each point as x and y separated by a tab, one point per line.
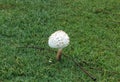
92	25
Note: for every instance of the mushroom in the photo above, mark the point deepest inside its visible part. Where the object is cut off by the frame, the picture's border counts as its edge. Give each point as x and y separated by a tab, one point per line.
59	40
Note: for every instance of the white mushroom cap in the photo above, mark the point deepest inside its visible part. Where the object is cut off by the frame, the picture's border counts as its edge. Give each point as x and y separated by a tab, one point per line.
58	39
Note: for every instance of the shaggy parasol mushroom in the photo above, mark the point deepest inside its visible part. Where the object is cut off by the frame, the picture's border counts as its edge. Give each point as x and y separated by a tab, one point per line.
58	39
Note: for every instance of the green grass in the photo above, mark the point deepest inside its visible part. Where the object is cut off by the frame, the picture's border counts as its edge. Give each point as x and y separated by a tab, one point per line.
93	27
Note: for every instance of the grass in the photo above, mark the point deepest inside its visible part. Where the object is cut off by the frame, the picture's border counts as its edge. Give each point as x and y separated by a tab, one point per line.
93	27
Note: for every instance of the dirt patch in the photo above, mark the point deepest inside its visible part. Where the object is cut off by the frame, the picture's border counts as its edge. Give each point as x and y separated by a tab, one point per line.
7	6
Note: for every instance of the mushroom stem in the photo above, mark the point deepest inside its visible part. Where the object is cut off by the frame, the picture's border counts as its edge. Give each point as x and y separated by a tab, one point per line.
59	53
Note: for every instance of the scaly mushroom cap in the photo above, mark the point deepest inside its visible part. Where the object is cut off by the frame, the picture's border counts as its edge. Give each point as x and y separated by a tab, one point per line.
58	39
